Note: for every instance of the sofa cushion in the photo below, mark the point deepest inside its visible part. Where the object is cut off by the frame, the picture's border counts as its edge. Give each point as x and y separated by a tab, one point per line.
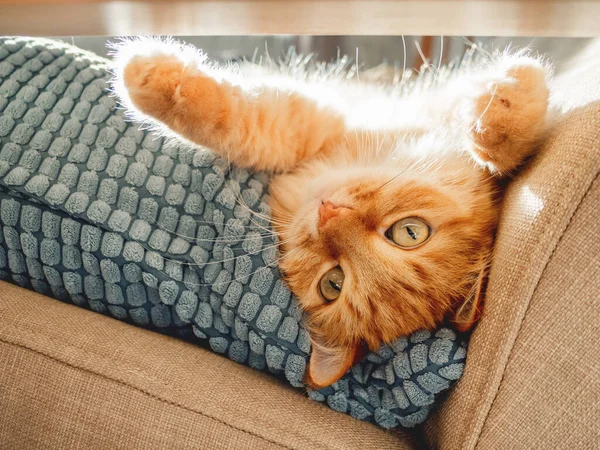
72	378
531	379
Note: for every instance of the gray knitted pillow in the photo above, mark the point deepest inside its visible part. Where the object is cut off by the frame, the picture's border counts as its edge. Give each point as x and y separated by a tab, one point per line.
97	212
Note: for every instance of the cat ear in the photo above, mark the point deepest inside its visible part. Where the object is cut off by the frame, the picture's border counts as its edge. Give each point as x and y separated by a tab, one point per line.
329	364
469	312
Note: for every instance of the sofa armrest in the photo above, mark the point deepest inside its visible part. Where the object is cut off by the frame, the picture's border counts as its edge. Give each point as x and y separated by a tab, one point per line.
71	378
532	378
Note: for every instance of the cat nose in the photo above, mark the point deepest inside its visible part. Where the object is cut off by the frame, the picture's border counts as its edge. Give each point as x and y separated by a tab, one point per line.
327	211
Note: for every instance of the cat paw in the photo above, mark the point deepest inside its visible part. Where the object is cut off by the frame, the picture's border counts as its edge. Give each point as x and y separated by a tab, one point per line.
152	82
510	114
149	73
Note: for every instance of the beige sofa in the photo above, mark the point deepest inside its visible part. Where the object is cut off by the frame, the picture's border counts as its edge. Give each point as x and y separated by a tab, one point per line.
70	378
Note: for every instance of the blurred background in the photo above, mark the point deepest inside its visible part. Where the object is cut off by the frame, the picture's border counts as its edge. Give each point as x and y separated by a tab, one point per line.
412	52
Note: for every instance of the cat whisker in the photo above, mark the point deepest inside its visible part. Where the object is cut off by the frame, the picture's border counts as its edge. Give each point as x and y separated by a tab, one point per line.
364	137
390	180
284	226
356	137
357	68
373	142
422	55
214	240
411	166
380	146
473	46
404	57
241	202
377	148
196	221
441	53
361	147
267	219
209	263
266	267
485	110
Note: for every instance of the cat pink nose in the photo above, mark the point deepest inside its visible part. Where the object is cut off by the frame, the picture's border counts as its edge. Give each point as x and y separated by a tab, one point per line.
327	211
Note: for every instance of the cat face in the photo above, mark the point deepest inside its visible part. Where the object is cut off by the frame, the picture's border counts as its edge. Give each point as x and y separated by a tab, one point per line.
373	256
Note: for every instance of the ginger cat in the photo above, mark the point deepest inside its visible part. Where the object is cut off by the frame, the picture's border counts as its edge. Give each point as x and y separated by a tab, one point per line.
386	205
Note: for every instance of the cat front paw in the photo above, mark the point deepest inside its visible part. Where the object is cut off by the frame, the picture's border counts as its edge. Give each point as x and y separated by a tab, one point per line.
149	74
152	83
510	114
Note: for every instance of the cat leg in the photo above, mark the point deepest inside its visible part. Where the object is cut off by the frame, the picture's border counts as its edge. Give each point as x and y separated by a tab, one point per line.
256	126
508	119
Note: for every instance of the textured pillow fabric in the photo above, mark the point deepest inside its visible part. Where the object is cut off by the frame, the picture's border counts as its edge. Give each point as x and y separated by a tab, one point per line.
98	212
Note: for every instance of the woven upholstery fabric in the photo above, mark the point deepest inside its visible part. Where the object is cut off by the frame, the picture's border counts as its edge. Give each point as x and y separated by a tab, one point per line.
573	275
74	379
534	359
98	212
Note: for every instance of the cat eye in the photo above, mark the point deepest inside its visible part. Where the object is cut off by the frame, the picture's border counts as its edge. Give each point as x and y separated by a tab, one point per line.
409	232
331	284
